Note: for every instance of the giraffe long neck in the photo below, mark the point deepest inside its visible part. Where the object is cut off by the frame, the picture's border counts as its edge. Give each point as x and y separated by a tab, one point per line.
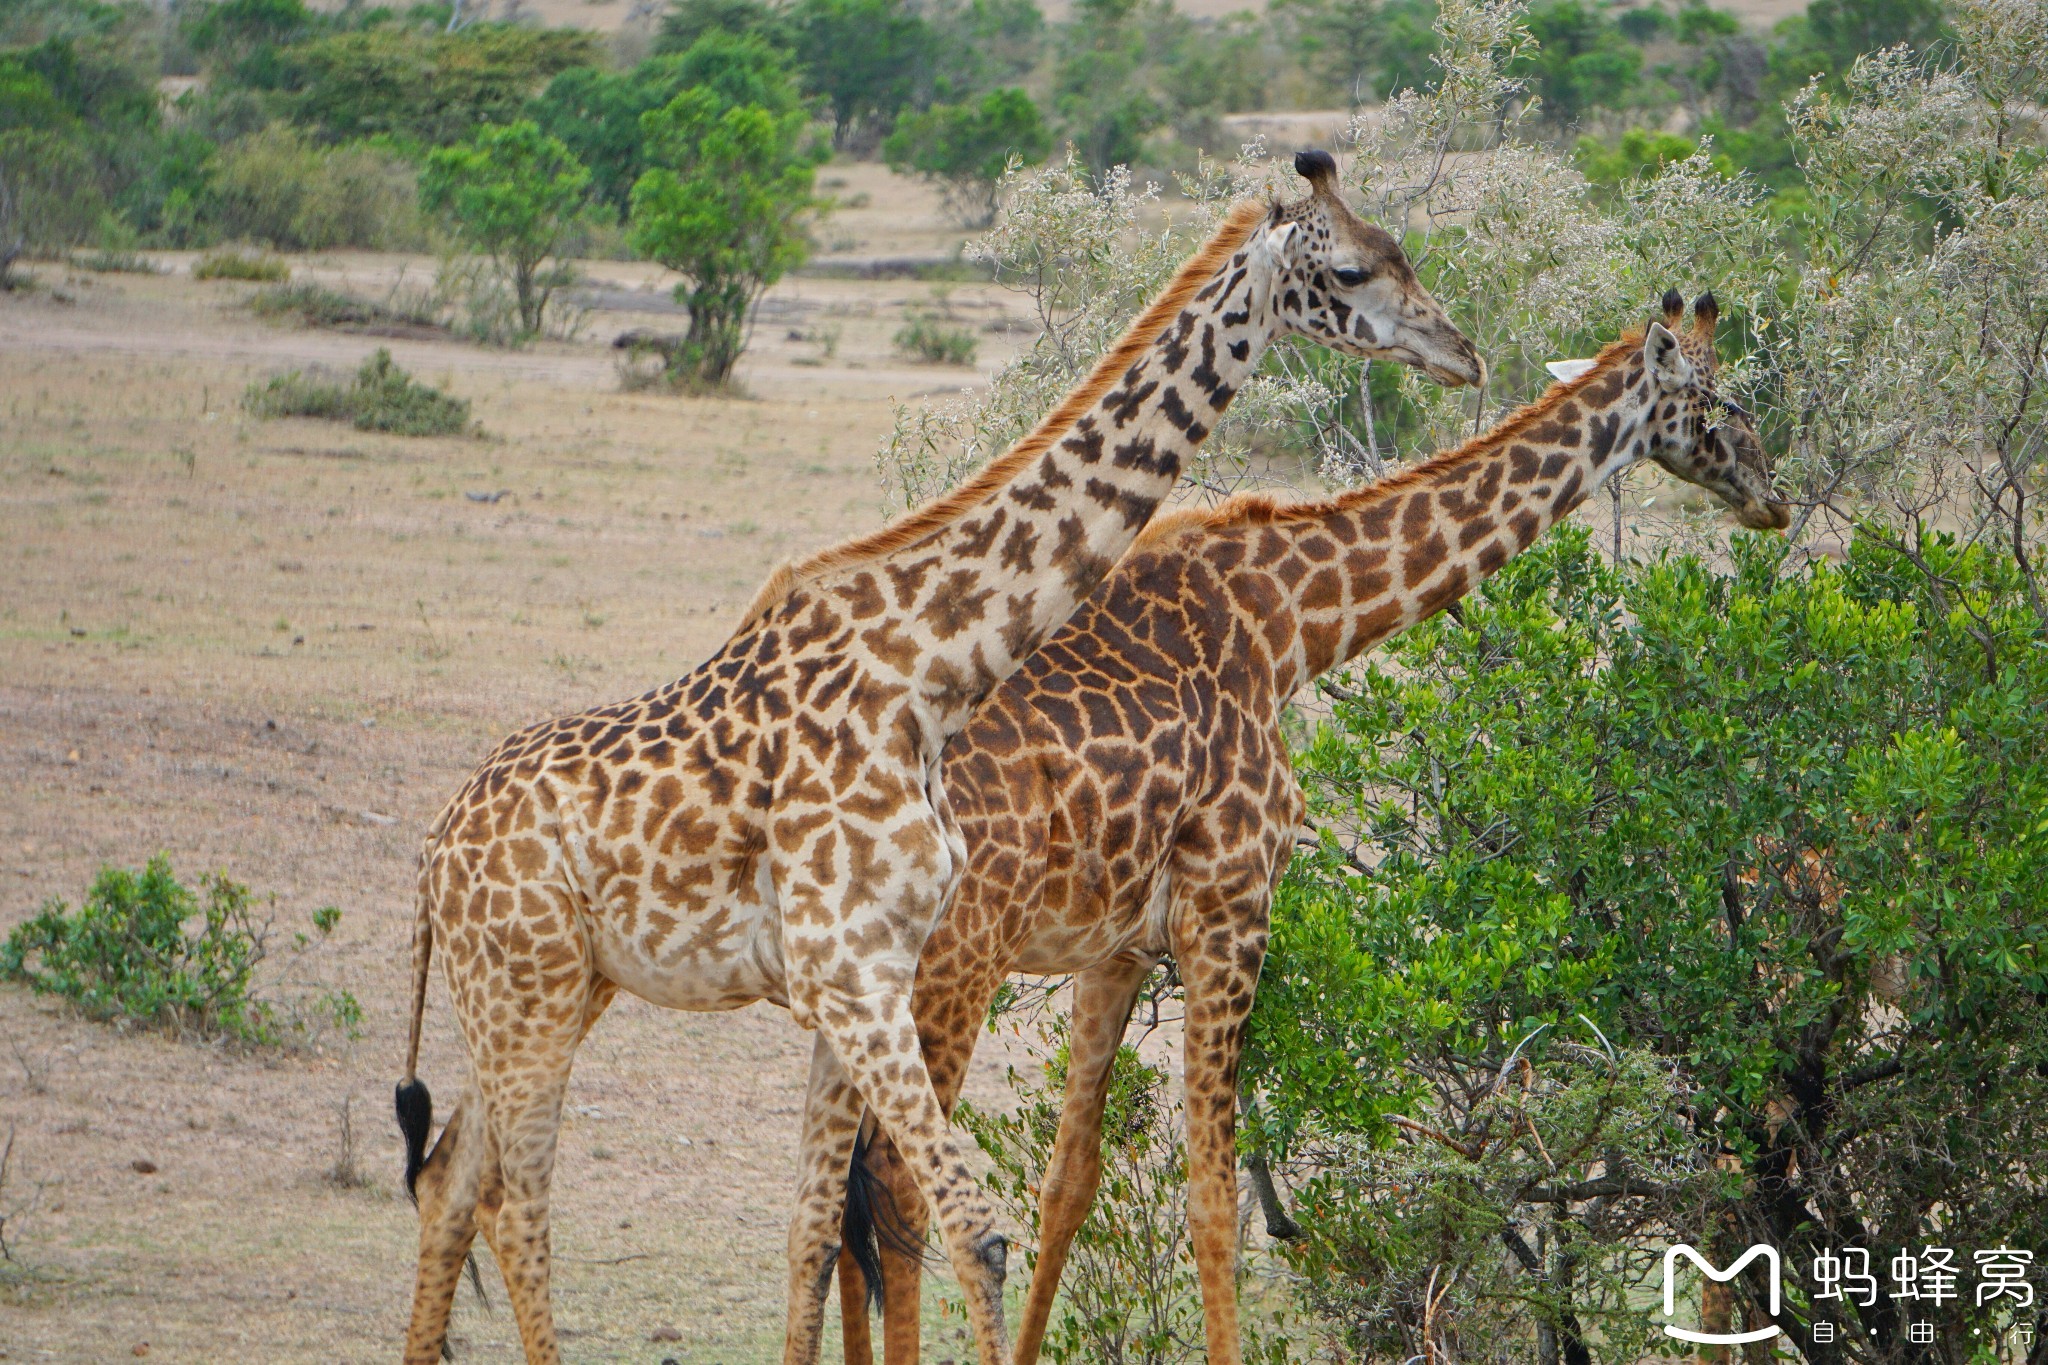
979	594
1378	560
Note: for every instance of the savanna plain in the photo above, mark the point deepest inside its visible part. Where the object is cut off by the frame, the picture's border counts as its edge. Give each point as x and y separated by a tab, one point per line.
274	648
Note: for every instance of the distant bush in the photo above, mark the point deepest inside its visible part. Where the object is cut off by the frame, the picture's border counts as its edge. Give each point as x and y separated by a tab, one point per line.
110	262
935	343
431	90
382	398
240	265
275	186
316	305
127	954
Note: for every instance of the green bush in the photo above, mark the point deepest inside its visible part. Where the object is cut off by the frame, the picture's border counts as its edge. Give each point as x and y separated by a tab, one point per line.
316	305
1129	1292
1711	866
240	265
934	343
128	954
277	187
382	398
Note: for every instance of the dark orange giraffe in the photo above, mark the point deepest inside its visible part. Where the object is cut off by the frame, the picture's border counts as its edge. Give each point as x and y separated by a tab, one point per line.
1128	796
772	826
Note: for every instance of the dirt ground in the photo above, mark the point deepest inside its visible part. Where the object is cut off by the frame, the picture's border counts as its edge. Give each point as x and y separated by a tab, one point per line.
275	648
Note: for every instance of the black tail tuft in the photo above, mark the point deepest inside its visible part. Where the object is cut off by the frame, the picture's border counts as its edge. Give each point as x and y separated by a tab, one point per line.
857	1230
415	1120
873	1221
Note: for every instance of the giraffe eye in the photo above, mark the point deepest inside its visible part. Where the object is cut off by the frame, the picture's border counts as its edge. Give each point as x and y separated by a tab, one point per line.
1350	279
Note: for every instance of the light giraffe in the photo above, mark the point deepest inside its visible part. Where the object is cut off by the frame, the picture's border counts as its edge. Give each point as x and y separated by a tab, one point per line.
1127	794
772	826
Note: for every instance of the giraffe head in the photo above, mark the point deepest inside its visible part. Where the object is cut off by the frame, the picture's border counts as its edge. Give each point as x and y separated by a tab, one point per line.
1346	284
1695	433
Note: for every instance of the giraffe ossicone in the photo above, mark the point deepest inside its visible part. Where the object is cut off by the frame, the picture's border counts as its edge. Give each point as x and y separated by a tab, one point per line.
773	826
1127	795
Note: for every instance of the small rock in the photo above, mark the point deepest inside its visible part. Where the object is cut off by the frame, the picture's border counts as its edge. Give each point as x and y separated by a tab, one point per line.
373	817
664	1334
71	759
142	1166
140	1348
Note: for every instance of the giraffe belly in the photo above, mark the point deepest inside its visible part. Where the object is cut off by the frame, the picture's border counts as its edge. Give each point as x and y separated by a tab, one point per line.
1058	944
722	957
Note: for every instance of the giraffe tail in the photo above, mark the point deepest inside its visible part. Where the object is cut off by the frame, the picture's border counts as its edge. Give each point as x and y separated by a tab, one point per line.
872	1219
415	1106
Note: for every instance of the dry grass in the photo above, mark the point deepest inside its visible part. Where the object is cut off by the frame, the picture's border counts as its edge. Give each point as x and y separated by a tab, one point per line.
275	647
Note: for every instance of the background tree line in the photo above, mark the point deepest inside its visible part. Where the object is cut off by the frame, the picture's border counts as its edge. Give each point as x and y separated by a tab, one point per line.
123	124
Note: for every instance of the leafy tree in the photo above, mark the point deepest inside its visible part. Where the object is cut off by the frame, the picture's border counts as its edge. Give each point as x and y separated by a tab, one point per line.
242	36
1832	34
723	208
429	89
1636	154
689	20
867	58
967	147
982	44
1207	69
1667	865
1357	51
741	69
597	113
1105	107
83	147
514	194
1582	61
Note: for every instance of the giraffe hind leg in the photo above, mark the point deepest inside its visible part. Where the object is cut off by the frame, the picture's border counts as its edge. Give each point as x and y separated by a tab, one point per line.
456	1188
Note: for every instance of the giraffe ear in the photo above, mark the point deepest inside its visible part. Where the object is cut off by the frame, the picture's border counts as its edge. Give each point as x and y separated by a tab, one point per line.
1665	359
1274	242
1565	371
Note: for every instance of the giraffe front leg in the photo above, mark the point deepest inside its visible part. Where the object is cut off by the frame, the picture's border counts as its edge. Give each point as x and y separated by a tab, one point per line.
832	1110
1103	997
884	1062
874	1040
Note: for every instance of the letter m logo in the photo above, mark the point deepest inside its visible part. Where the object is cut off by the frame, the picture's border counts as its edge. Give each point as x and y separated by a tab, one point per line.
1770	1259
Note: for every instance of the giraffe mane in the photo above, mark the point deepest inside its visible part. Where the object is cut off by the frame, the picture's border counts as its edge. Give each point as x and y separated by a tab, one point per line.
944	509
1263	509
